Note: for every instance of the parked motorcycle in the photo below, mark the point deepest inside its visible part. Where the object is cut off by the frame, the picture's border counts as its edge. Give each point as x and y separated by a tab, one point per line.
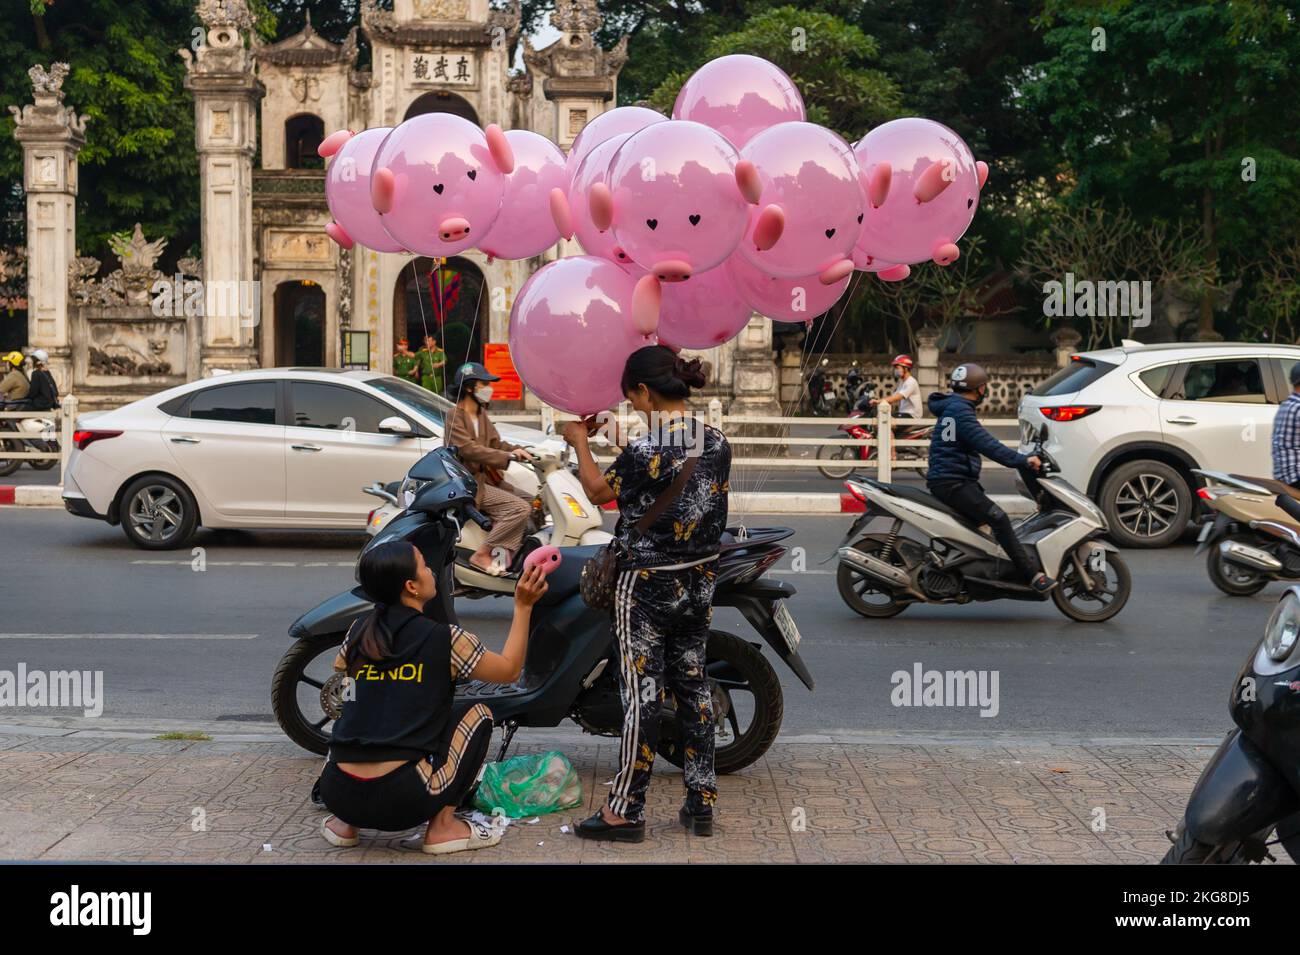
571	663
850	457
821	393
1253	539
1250	788
881	575
26	434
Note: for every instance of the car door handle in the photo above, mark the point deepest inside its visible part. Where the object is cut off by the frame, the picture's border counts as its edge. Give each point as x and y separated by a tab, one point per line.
184	440
1182	419
306	447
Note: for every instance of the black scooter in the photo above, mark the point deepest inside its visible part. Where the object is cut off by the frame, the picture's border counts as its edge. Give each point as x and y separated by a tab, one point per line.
571	665
1251	786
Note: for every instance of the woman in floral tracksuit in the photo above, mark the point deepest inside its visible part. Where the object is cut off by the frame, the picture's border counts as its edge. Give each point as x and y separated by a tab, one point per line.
664	596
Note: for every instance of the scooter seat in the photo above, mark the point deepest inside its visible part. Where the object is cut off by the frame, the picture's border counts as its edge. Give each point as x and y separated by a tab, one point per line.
562	582
917	496
1269	484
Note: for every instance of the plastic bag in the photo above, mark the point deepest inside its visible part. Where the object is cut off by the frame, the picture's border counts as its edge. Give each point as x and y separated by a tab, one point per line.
529	785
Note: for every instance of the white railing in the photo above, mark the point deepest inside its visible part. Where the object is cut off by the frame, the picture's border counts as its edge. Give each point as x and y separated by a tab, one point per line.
884	442
64	418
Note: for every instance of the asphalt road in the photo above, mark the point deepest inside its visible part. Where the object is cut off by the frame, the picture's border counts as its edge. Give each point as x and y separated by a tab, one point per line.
206	643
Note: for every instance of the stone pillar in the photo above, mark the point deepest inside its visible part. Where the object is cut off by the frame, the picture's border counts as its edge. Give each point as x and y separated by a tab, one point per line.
51	135
220	75
754	387
927	361
1067	341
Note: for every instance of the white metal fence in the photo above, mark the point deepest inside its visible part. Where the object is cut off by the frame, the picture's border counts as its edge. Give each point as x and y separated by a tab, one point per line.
63	422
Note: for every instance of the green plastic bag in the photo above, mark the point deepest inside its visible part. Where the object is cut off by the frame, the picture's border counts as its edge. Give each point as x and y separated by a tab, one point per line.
529	786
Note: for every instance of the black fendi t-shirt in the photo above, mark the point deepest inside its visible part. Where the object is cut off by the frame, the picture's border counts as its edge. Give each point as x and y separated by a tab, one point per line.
692	525
400	708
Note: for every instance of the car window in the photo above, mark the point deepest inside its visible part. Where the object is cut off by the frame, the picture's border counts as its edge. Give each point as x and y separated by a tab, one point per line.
1078	374
1284	366
250	402
1157	378
414	397
1239	381
336	409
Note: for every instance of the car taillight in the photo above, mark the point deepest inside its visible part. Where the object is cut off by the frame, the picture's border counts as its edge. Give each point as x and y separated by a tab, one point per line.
1068	412
83	439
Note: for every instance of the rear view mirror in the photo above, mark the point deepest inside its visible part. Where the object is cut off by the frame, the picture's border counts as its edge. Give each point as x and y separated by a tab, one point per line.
394	424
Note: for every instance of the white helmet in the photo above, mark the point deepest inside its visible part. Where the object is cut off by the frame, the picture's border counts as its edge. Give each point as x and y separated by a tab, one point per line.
40	355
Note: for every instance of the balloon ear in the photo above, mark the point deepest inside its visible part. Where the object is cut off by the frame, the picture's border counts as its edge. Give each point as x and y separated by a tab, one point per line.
600	203
560	212
895	273
946	253
835	271
933	181
878	187
982	170
382	187
333	143
339	235
747	179
645	304
499	146
768	228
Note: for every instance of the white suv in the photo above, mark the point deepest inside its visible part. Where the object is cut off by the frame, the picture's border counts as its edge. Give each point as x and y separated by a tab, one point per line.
1128	424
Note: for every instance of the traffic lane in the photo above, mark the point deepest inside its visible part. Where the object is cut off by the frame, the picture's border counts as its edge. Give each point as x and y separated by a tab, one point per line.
1162	667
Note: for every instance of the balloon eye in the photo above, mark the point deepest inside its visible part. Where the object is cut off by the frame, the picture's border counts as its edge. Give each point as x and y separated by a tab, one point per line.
438	188
471	175
859	218
969	203
830	233
652	223
695	219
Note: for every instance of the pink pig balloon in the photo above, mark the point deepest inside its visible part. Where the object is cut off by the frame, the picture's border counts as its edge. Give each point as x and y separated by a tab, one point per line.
622	121
799	299
438	181
547	558
591	171
525	226
739	96
924	188
347	189
702	313
571	332
810	173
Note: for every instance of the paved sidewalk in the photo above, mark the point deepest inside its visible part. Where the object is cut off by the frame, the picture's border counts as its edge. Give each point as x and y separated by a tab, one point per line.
77	797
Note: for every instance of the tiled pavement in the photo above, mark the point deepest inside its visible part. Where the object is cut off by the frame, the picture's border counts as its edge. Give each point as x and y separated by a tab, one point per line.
77	798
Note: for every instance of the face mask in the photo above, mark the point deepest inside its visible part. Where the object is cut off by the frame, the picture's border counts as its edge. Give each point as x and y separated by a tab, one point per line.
898	373
979	396
483	395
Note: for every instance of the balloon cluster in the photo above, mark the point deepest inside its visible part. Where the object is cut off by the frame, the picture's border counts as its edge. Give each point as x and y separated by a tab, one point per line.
735	205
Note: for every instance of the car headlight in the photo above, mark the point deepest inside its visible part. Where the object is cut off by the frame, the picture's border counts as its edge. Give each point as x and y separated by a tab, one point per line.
408	489
1283	628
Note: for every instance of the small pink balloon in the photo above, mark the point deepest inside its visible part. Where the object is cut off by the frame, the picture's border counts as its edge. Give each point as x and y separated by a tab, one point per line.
932	197
547	558
799	299
592	173
447	184
677	206
571	332
347	190
525	226
811	175
739	96
702	313
622	121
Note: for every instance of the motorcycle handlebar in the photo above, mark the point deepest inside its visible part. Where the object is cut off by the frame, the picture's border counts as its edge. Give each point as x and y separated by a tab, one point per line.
478	517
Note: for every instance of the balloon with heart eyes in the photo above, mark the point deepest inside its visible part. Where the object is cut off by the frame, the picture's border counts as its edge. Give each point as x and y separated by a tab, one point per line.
572	211
923	188
810	175
347	189
677	199
438	182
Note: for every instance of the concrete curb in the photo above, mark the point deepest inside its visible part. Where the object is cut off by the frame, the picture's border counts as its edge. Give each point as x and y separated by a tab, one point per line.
32	495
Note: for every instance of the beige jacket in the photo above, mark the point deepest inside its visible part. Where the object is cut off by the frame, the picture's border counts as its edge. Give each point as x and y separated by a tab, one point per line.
479	451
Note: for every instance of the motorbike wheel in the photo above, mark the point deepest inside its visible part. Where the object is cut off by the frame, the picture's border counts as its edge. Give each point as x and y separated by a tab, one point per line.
734	666
304	686
1233	579
836	452
1188	850
856	587
9	465
44	464
1100	603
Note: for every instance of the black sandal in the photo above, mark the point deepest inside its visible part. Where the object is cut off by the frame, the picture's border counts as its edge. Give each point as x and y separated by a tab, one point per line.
598	829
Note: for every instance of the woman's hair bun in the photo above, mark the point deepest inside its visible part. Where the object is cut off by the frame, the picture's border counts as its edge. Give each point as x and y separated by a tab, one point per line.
691	371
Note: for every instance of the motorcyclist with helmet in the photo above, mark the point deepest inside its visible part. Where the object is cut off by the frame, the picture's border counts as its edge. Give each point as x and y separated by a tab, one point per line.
14	386
905	402
956	445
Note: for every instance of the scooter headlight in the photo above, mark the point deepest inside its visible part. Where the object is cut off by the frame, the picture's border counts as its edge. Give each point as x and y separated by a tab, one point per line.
1283	631
409	488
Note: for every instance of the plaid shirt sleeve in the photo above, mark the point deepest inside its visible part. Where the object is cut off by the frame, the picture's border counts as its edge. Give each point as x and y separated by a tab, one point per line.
1286	441
466	651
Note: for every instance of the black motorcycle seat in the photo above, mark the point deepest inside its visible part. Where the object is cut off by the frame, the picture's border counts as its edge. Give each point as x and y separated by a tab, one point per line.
562	583
917	496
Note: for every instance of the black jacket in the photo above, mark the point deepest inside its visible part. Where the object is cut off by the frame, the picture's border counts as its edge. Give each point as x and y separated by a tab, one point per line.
959	440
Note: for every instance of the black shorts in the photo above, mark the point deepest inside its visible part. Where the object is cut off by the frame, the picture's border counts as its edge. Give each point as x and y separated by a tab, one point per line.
412	794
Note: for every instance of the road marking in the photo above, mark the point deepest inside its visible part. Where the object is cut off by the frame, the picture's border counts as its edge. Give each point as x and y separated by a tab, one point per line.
128	636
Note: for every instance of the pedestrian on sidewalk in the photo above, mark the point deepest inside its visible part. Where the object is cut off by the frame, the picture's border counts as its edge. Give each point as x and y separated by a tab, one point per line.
676	475
400	755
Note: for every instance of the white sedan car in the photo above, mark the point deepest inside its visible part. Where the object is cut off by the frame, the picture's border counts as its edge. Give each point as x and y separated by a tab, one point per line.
280	447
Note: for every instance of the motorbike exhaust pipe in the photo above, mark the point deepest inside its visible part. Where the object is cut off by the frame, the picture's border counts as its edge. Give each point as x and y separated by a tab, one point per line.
875	567
1251	557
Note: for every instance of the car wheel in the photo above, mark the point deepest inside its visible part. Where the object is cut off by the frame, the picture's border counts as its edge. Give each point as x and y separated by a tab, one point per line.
1146	503
158	512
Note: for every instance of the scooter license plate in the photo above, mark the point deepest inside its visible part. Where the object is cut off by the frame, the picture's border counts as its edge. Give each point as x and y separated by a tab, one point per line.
785	623
1204	535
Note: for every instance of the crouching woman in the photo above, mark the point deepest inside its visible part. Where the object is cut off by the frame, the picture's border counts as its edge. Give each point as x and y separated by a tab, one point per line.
400	755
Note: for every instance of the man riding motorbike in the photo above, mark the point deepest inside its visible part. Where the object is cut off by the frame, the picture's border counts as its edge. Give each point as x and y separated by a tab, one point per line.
906	398
956	445
14	386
